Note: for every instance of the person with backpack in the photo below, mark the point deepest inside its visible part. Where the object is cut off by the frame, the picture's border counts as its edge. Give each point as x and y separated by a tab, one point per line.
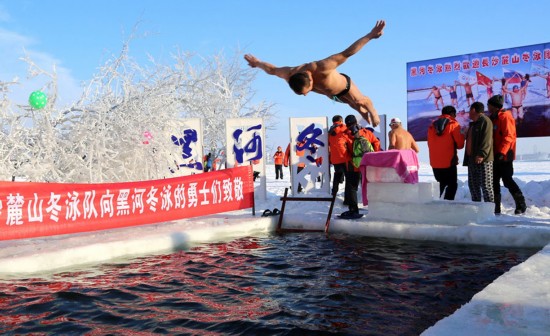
444	138
359	141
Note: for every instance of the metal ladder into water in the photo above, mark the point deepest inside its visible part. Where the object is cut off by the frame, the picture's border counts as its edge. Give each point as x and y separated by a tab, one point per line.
285	198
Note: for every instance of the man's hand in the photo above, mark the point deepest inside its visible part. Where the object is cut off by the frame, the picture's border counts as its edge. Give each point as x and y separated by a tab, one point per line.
479	159
252	61
377	31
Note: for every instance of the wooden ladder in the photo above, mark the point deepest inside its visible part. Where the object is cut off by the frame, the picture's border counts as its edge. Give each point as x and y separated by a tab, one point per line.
285	198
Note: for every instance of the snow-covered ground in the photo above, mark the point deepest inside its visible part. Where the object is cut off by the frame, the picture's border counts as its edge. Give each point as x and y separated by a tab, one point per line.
516	303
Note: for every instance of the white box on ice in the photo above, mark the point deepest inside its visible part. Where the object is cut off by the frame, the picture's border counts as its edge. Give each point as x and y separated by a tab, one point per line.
422	192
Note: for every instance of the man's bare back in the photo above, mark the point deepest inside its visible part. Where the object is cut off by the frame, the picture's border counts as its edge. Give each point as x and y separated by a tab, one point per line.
402	139
323	77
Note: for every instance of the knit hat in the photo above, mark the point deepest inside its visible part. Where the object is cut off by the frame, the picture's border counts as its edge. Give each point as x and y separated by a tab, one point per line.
496	101
351	120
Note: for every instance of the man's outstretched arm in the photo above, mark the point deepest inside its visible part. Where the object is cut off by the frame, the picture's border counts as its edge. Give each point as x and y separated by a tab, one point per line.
341	57
270	69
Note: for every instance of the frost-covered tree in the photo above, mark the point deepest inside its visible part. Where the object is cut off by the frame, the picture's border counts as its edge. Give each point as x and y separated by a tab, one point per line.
99	137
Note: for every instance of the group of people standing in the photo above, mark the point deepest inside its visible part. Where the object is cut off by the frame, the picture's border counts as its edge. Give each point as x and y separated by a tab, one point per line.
340	141
341	136
490	149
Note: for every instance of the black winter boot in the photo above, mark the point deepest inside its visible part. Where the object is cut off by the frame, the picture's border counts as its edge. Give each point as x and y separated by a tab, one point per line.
520	203
497	204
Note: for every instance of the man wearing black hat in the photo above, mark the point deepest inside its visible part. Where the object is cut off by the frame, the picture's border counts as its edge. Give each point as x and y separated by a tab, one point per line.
353	176
504	142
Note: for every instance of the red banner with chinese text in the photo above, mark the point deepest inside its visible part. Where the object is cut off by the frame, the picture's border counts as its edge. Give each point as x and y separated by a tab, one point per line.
29	209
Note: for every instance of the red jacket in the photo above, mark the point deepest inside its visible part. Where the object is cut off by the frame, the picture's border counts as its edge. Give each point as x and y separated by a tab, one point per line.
443	147
337	144
278	157
504	135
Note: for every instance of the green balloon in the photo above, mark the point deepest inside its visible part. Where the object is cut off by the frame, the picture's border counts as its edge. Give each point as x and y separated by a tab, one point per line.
38	99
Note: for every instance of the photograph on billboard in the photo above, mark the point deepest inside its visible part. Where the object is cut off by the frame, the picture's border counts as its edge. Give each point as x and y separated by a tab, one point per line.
521	75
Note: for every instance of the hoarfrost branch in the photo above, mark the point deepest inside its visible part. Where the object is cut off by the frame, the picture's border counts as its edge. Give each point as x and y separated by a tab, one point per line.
99	137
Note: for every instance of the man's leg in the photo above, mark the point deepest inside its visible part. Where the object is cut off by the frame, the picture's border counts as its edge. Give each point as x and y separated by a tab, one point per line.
507	172
496	186
298	170
438	177
515	113
451	180
352	184
339	172
487	182
368	112
474	183
520	113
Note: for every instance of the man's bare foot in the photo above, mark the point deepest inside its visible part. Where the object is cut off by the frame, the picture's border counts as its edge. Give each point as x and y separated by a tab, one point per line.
375	119
371	118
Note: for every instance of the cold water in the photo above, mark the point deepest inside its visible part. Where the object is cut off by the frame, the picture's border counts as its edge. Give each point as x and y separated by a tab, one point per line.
293	284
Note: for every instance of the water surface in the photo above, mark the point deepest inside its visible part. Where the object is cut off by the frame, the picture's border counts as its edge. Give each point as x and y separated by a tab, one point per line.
293	284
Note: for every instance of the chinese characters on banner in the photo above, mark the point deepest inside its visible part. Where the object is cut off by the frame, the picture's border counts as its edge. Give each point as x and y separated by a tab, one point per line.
521	75
309	155
187	150
43	209
245	145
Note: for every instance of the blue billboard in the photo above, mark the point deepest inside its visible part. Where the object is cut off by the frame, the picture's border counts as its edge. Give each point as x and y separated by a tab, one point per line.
521	75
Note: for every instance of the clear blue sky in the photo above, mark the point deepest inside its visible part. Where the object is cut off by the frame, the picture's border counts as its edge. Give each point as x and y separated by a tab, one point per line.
78	36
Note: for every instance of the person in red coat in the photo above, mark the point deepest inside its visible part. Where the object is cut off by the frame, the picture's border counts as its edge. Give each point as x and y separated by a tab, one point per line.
444	138
504	144
278	160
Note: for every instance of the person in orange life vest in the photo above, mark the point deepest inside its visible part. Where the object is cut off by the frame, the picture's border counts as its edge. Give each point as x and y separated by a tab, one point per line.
353	176
339	155
444	138
504	144
278	158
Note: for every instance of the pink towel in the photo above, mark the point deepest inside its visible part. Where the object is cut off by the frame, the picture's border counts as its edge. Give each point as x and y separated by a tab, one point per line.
403	161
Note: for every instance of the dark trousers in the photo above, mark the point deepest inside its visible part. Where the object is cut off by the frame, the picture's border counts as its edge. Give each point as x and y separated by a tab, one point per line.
278	171
352	184
504	170
339	173
298	170
448	181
